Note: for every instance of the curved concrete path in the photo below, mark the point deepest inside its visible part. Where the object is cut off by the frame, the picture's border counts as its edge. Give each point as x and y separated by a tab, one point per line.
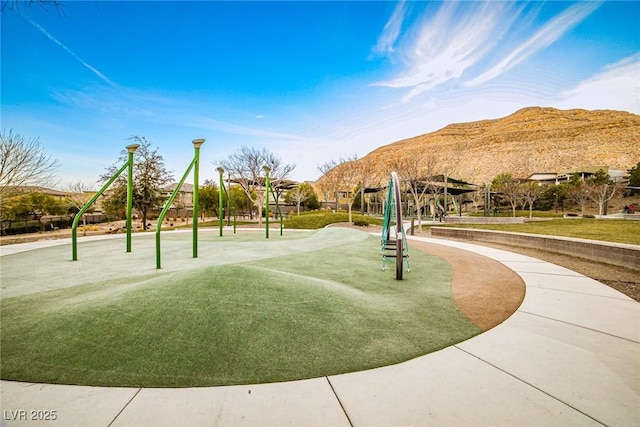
570	355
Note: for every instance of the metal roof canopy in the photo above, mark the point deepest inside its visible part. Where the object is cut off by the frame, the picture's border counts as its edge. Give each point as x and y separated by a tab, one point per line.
437	181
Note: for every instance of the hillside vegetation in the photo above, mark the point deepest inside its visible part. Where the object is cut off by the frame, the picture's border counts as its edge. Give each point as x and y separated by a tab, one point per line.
533	139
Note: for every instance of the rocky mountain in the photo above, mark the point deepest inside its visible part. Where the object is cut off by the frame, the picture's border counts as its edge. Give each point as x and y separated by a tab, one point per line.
531	140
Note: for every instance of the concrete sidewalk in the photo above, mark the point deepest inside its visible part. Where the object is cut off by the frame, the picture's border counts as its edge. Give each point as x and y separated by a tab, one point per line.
570	355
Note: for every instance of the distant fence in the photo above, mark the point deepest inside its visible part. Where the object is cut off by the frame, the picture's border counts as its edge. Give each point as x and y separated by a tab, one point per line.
48	223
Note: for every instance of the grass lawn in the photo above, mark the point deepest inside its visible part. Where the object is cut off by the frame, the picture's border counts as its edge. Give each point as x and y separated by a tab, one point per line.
621	231
320	219
307	314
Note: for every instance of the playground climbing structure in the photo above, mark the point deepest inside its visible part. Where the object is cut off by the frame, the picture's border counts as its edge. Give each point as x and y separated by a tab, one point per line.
394	238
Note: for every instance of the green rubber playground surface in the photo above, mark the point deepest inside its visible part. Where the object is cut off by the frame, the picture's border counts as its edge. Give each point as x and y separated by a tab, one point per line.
247	310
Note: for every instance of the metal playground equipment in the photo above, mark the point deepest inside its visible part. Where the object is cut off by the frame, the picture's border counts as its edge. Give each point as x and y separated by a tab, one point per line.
394	238
195	165
439	207
221	202
128	165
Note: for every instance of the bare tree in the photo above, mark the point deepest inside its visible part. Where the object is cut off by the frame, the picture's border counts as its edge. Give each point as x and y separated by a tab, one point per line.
24	162
476	198
416	171
579	193
279	173
530	192
16	4
328	184
246	166
601	189
77	197
349	177
299	194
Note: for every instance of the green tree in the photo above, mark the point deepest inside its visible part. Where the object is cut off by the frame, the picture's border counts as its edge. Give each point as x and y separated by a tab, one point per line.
634	176
150	179
239	200
312	203
33	206
509	188
209	198
555	195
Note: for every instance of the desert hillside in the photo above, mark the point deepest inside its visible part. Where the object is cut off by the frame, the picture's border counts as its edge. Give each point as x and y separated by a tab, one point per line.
530	140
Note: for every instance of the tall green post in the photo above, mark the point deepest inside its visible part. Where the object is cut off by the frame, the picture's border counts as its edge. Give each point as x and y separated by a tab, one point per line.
220	202
197	143
267	184
130	150
74	227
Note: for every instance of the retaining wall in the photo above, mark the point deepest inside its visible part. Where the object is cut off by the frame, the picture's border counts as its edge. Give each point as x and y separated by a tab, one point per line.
620	254
484	219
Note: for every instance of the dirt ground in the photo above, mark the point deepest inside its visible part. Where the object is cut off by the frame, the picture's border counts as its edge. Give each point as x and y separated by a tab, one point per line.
487	299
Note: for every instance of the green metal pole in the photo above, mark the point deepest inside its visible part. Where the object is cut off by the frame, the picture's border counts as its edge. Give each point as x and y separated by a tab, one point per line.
197	143
167	205
267	184
220	201
130	149
76	220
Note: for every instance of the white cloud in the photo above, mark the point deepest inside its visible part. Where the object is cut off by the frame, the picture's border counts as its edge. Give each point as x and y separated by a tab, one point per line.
546	36
391	31
449	43
616	87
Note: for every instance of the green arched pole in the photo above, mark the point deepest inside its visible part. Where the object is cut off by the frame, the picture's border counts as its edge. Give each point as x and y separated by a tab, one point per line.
130	150
197	143
74	228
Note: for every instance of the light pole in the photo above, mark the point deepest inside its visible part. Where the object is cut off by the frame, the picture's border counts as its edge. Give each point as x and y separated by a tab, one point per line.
267	184
130	150
197	143
220	215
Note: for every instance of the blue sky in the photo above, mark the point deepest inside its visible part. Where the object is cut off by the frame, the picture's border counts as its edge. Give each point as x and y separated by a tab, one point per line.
310	81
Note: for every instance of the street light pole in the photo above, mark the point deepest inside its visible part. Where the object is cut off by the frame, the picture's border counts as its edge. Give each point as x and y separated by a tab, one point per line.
267	184
197	143
130	150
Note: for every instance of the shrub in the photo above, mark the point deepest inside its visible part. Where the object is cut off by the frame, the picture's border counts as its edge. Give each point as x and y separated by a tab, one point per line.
361	222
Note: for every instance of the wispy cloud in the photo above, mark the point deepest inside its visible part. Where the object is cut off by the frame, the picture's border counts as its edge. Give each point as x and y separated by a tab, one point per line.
617	87
449	43
70	52
391	31
546	36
